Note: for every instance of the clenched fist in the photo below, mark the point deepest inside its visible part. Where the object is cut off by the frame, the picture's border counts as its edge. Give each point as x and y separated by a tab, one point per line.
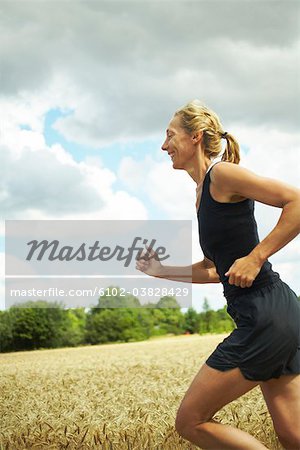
149	263
243	271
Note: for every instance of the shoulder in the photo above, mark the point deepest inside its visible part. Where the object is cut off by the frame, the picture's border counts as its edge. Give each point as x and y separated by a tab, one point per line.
229	177
224	170
225	178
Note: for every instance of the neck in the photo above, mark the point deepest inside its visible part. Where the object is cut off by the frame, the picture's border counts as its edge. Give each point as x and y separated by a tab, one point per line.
198	170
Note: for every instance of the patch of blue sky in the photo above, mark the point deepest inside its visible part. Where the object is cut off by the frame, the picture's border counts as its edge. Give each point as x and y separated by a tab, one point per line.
245	149
25	127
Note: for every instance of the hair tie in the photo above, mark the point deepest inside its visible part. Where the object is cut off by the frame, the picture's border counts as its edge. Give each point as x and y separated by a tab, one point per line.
224	135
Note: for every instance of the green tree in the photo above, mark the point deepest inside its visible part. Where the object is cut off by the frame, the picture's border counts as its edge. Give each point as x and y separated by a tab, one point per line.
215	321
102	327
36	324
119	324
192	321
6	336
206	317
225	322
73	329
173	321
157	317
146	320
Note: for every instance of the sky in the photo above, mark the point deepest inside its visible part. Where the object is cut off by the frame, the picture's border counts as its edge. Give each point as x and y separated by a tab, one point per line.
89	87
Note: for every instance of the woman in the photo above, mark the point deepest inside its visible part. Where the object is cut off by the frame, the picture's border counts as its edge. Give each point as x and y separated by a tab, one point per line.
264	349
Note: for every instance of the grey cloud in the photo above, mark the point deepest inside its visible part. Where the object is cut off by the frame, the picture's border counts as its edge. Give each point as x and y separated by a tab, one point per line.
42	183
134	63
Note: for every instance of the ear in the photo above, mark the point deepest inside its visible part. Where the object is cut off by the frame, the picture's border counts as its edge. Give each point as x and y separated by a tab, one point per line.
197	137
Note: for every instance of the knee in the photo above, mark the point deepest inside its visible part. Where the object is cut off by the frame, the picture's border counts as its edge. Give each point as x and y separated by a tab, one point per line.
181	423
185	425
182	426
290	439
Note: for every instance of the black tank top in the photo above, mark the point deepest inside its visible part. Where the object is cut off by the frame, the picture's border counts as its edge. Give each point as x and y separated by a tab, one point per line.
228	231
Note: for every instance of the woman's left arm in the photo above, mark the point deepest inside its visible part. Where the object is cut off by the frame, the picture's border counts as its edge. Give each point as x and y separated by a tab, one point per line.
241	181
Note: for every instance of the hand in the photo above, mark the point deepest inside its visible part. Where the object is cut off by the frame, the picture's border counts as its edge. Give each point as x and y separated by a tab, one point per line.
213	275
148	264
243	271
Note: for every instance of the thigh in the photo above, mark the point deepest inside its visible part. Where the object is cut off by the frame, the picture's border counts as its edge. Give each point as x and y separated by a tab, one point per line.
210	390
282	397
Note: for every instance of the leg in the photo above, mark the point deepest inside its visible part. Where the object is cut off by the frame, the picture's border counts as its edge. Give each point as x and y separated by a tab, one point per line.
282	396
211	390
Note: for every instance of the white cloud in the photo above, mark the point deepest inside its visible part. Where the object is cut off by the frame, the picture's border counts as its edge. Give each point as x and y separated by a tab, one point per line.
134	174
289	273
170	191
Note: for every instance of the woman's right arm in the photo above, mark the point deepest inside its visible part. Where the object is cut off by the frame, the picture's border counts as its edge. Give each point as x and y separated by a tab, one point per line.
200	272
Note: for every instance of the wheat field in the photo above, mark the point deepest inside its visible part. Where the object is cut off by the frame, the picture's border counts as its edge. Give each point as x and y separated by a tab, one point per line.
116	396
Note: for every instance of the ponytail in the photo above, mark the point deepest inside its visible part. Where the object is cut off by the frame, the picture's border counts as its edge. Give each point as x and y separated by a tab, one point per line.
232	150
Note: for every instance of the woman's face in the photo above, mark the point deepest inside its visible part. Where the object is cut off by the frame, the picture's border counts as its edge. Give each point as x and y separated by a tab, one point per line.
179	145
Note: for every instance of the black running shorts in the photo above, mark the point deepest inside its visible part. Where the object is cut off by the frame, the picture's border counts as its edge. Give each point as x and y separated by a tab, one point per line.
266	342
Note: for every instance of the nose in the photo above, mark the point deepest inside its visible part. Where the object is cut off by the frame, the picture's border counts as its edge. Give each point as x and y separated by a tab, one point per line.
165	145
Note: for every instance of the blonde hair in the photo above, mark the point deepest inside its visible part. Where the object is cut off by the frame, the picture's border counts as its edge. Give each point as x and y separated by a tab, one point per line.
195	117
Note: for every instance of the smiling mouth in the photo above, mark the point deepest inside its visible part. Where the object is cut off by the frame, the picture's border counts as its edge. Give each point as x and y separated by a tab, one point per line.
172	155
